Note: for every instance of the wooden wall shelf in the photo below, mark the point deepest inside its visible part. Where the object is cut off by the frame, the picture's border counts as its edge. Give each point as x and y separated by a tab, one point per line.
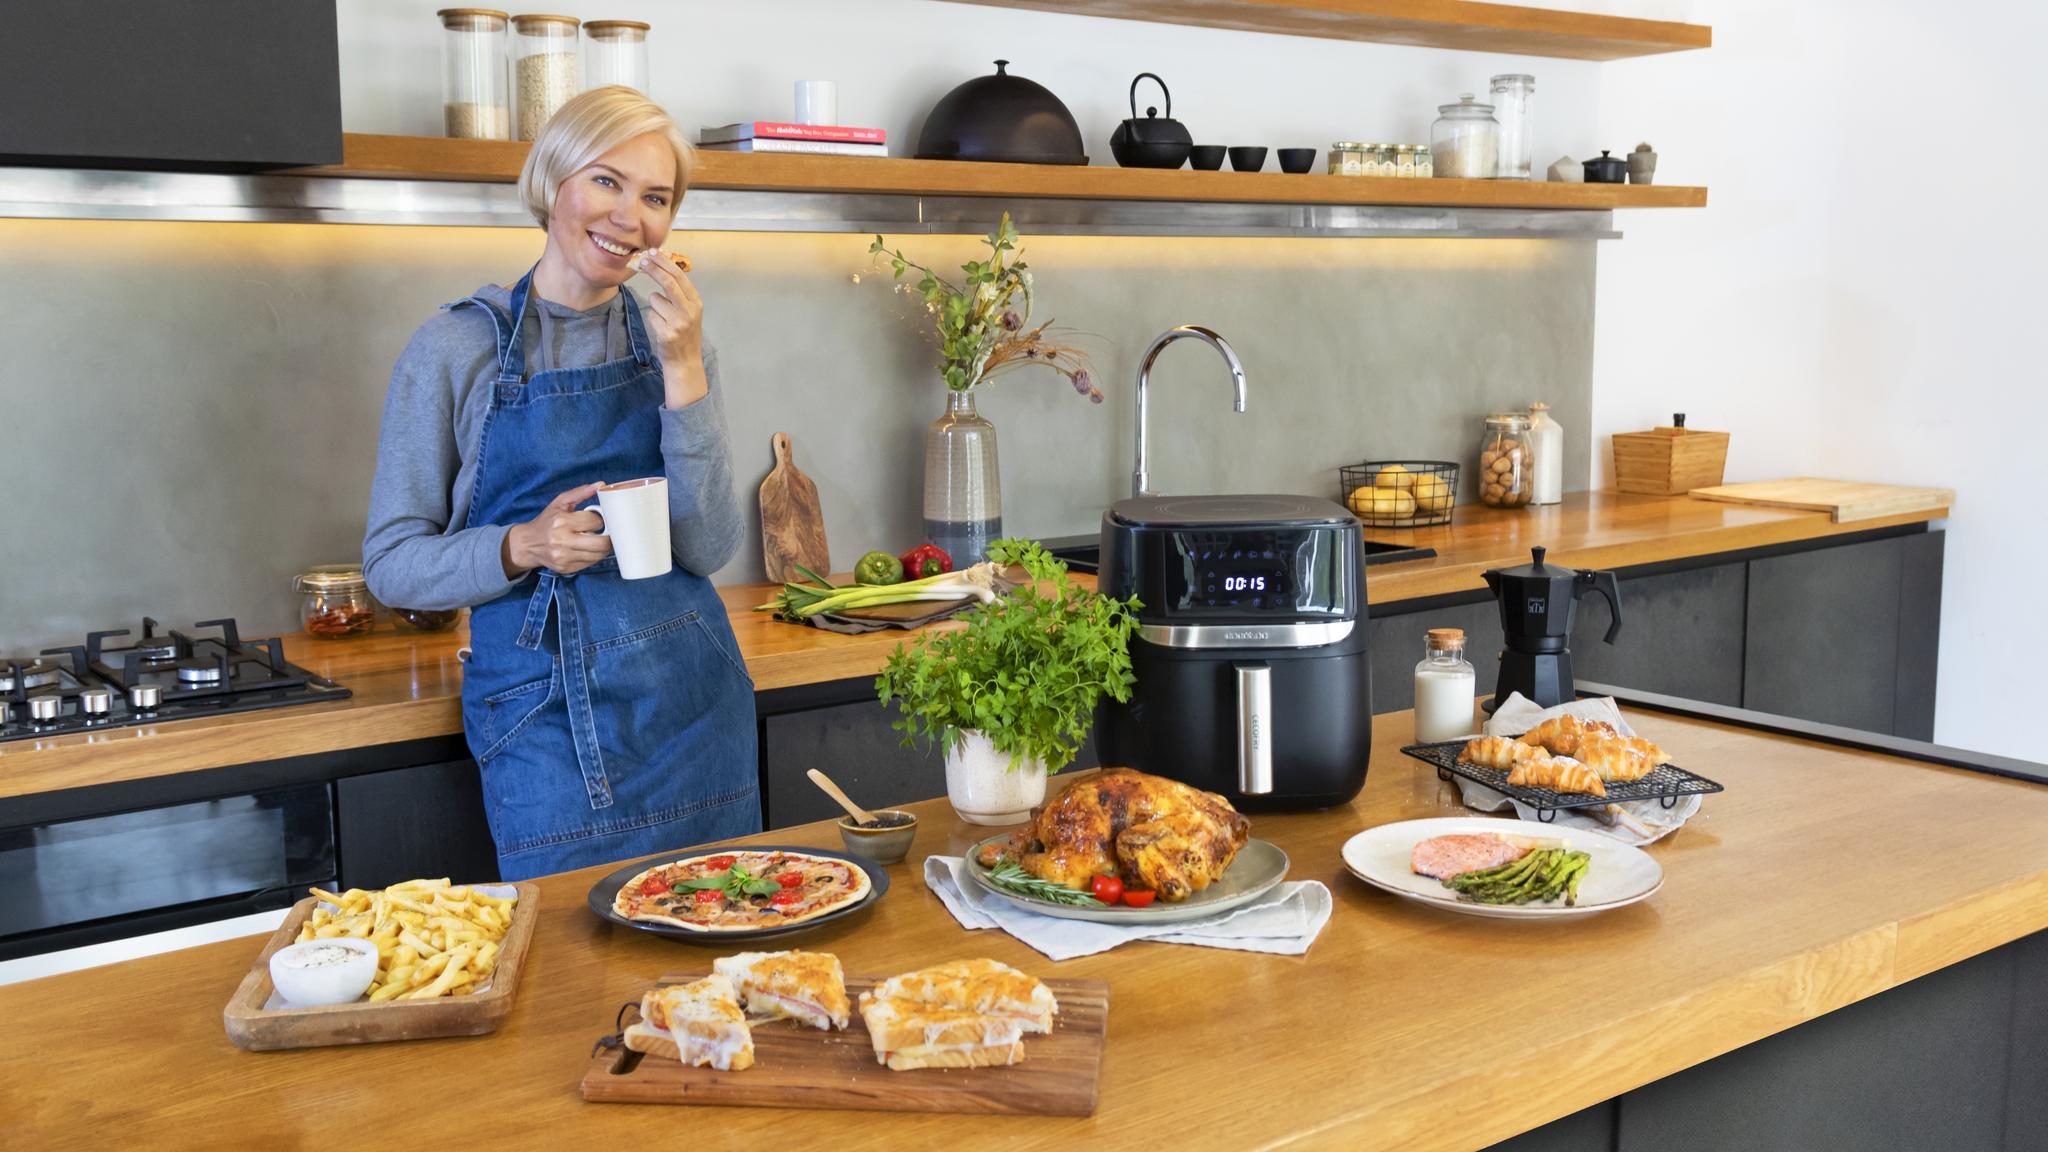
1459	24
433	158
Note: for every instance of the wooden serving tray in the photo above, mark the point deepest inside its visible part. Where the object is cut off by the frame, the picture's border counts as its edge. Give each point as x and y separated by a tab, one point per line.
797	1066
252	1026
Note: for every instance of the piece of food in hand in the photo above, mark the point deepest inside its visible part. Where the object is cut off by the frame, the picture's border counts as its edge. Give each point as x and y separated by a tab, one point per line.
678	259
1561	735
878	568
698	1023
1619	758
925	560
1500	752
989	987
1441	857
1148	831
807	987
1559	774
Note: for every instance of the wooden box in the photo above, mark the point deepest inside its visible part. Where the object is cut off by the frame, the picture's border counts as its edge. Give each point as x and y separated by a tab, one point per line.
1668	461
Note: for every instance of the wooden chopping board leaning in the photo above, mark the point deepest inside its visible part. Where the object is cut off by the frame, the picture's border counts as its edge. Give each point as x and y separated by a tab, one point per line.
792	527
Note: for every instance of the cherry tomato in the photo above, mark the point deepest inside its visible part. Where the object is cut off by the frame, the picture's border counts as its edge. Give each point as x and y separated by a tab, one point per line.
1138	897
710	896
653	886
791	879
786	896
1108	889
720	863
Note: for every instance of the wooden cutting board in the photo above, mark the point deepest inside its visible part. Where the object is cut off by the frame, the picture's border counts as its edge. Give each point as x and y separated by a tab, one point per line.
1846	500
796	1066
792	527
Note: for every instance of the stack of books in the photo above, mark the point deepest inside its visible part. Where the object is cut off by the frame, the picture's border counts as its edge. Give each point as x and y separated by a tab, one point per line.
775	136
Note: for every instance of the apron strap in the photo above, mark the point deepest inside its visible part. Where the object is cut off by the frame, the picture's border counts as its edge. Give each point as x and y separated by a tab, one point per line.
636	332
512	348
560	593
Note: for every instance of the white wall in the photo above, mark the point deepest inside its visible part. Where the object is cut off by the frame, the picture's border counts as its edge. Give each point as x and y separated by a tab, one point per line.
1861	298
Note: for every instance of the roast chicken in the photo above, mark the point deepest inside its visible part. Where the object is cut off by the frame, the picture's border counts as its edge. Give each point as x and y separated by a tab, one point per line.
1149	831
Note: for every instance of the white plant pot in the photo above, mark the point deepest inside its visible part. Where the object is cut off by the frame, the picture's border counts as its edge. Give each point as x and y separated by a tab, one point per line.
983	789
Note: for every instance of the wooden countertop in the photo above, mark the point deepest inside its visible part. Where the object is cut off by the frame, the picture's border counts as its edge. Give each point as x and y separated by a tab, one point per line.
408	686
1820	877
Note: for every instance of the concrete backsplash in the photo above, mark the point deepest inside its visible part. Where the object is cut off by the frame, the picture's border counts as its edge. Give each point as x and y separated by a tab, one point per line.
191	410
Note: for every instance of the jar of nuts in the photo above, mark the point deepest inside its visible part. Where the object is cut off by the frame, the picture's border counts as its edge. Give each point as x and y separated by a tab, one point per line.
1507	462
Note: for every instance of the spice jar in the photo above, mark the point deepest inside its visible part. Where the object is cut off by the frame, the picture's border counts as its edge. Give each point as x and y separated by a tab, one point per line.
475	101
1347	158
1511	95
1384	163
1404	161
1507	472
1465	140
617	54
335	601
544	68
1424	166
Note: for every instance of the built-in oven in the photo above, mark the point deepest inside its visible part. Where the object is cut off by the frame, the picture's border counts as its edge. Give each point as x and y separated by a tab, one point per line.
76	882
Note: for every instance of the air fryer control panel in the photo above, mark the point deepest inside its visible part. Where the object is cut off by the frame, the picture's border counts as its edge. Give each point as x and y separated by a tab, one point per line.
1293	572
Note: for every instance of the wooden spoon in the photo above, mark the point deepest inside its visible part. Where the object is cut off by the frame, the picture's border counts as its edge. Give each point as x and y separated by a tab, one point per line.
860	815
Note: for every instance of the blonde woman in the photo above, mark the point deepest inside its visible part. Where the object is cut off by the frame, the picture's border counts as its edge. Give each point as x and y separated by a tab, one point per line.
610	718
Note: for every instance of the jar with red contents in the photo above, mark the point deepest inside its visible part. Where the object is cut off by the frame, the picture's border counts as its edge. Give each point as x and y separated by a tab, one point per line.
334	601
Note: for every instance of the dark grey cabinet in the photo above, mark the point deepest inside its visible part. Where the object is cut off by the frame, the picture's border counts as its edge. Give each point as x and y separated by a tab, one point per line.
1681	635
413	822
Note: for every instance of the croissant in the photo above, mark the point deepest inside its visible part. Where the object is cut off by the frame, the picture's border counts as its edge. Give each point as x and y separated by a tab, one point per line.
1559	774
1561	735
1500	752
1620	758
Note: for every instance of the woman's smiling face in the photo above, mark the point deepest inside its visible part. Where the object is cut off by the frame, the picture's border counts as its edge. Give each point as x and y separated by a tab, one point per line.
619	204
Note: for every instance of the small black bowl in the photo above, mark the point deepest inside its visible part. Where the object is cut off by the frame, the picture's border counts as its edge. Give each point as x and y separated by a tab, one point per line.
1297	160
1207	157
1247	159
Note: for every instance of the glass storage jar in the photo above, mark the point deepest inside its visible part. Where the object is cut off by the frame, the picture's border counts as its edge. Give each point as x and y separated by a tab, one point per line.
334	601
616	54
1507	472
1383	163
544	68
1424	168
1404	161
1465	140
1511	95
476	103
1446	686
1347	158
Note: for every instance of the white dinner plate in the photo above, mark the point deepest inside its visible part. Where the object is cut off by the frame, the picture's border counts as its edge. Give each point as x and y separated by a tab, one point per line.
1618	874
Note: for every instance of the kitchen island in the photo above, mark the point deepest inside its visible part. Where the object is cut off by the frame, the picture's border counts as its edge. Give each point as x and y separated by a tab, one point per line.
1822	877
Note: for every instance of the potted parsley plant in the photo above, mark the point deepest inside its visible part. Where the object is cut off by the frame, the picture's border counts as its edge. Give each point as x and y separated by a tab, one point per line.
1011	696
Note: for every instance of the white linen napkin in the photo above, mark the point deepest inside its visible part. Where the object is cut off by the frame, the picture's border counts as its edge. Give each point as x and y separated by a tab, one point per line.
1285	920
1637	822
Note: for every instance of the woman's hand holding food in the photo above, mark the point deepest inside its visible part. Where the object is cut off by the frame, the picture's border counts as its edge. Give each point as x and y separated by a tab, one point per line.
563	538
675	322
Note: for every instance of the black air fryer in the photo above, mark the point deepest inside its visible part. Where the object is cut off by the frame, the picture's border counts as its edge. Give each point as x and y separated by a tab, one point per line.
1251	649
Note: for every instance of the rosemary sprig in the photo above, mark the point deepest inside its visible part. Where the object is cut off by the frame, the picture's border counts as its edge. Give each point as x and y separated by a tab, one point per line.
1011	877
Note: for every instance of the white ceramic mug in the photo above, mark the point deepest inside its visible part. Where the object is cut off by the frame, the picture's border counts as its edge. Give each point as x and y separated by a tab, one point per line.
635	514
817	102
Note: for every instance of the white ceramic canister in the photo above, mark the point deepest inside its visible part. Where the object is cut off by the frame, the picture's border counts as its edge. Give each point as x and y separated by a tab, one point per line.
982	787
1546	437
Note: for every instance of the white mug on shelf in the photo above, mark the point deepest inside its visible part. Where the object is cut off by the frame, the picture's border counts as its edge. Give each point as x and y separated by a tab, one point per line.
817	102
635	514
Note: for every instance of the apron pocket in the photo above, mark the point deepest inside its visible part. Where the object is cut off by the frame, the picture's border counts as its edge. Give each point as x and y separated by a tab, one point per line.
508	713
720	642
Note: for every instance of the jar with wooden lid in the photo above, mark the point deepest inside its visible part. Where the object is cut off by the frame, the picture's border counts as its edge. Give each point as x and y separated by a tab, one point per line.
615	53
334	601
1507	461
476	101
544	68
1446	686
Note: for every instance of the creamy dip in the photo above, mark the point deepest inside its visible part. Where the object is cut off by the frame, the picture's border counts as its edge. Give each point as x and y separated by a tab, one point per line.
322	956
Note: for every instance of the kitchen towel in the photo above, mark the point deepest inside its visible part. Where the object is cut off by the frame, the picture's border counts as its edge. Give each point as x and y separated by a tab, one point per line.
1285	920
1638	822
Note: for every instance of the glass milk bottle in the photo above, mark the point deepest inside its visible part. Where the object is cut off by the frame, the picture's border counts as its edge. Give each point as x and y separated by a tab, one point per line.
1445	688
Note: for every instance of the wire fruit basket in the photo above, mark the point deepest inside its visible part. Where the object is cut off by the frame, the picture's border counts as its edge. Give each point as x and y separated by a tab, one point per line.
1399	493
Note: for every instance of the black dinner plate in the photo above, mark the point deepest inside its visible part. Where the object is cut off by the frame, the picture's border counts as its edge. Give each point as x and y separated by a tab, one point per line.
604	891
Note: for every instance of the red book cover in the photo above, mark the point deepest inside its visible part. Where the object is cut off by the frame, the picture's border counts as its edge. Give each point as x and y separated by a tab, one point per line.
779	130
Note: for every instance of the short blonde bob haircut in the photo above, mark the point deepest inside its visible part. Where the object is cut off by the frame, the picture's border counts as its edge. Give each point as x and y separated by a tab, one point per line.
586	128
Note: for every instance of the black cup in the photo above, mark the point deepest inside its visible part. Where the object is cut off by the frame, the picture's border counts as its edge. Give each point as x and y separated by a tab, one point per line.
1297	160
1247	159
1207	157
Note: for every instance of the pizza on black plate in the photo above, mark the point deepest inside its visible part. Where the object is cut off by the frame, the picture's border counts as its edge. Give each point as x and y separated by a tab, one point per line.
741	890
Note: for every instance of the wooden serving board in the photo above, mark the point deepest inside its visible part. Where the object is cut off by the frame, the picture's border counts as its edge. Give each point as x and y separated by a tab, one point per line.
259	1029
797	1066
792	525
1845	500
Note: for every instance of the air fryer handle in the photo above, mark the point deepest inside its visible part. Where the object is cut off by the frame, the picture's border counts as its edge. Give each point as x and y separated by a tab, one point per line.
1606	585
1254	729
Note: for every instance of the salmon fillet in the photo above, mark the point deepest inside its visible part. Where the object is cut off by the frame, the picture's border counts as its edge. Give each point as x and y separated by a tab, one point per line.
1442	857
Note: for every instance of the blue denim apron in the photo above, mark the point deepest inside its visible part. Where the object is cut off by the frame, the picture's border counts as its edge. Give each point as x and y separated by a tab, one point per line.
610	718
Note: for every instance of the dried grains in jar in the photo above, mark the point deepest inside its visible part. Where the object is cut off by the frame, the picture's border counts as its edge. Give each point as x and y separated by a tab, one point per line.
544	68
475	104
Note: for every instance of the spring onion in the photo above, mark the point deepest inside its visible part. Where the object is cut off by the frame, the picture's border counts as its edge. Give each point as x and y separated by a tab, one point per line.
804	600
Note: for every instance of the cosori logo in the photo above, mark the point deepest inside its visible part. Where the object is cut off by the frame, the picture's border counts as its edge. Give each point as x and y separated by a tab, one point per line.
1246	634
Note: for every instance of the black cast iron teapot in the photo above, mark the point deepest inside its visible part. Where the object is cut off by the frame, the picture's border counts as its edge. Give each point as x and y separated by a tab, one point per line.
1153	142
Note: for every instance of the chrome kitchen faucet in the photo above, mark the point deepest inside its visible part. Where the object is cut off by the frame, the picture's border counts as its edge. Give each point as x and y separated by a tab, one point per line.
1139	477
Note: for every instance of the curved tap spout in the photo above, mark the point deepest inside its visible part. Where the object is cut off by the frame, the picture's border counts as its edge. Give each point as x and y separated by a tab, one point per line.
1140	476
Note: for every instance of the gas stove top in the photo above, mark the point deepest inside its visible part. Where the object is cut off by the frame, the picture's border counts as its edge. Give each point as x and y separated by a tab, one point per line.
116	679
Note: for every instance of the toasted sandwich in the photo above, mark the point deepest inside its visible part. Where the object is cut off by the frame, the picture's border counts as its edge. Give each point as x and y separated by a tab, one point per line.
698	1023
984	986
908	1034
808	987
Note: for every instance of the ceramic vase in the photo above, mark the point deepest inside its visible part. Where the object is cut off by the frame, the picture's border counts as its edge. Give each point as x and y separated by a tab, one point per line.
984	789
963	495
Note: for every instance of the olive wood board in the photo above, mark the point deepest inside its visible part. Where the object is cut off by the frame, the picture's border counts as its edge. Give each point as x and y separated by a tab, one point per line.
792	523
797	1066
1845	500
257	1028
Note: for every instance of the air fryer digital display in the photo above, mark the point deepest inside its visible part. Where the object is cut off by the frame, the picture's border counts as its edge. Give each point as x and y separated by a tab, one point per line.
1293	571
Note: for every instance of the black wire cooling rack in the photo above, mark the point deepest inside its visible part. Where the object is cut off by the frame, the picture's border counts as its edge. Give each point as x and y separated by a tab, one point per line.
1664	785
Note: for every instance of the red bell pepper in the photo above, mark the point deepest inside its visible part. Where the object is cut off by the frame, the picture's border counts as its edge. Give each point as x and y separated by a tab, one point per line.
925	560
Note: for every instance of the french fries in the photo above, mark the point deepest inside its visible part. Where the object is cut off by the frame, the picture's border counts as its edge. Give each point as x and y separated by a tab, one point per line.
433	939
